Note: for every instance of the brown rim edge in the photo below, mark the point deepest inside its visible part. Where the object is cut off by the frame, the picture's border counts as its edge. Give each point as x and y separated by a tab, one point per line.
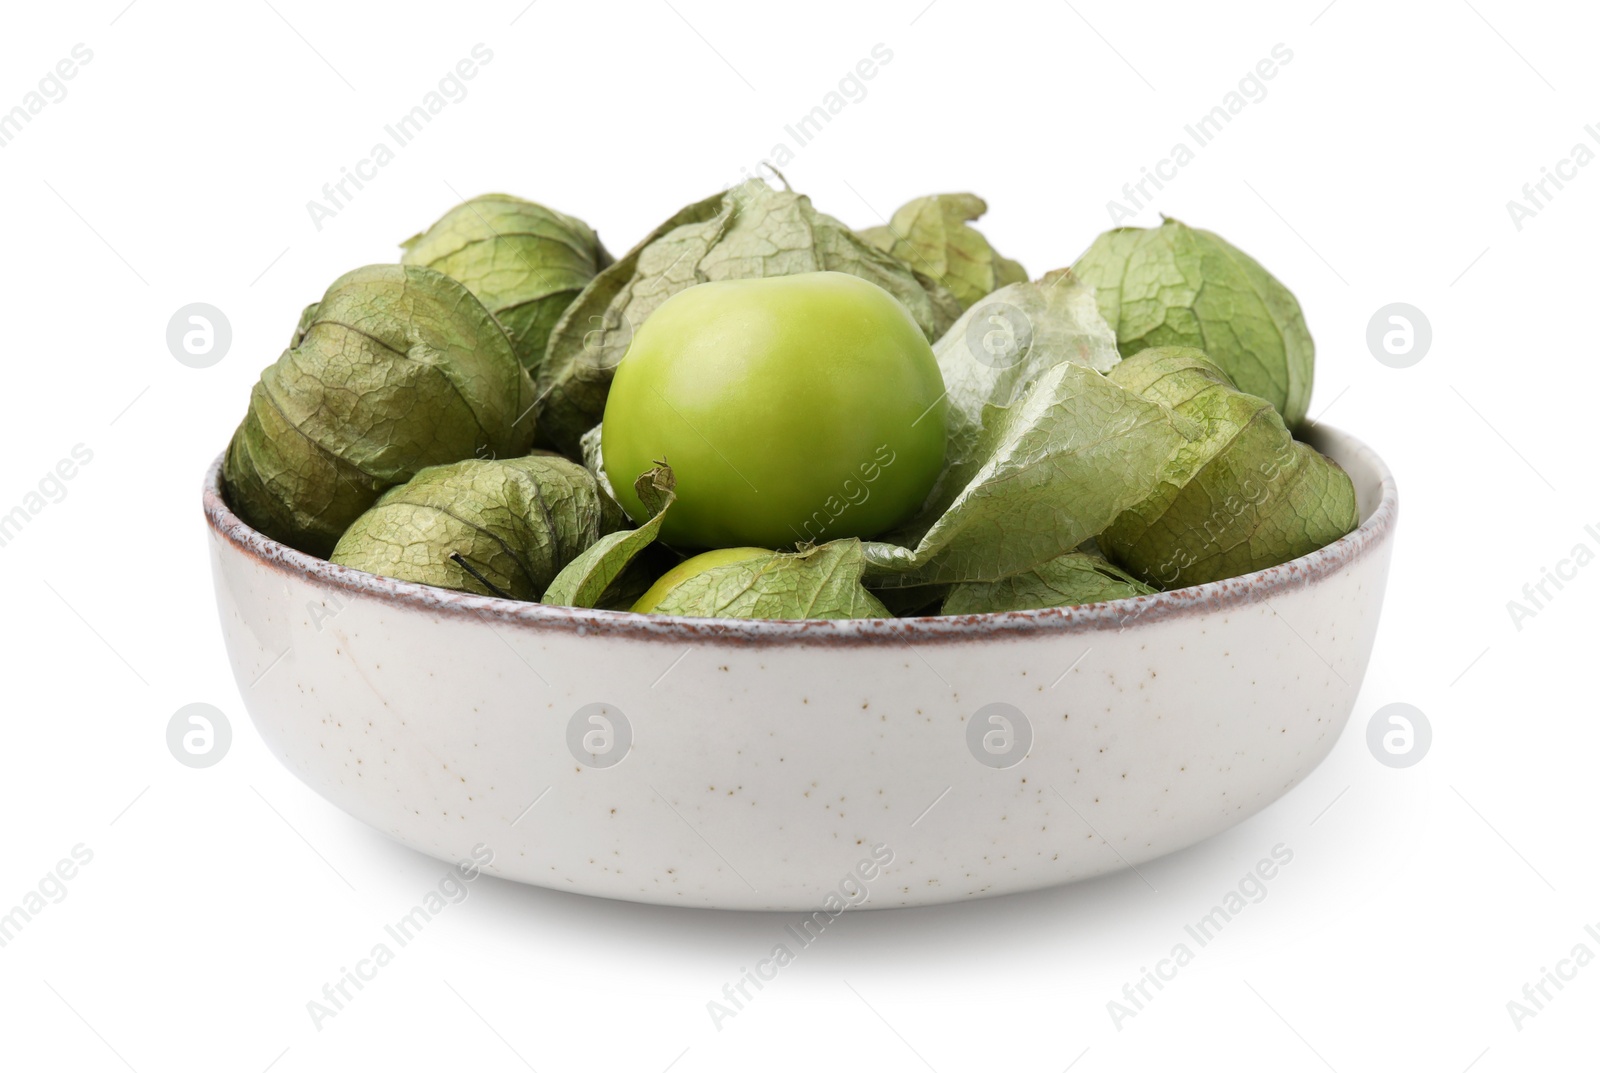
1212	597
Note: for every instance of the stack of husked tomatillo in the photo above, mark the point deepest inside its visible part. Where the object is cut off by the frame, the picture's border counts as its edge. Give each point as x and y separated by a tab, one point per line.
760	413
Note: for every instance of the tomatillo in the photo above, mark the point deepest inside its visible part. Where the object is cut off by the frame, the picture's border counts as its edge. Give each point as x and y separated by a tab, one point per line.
793	408
689	568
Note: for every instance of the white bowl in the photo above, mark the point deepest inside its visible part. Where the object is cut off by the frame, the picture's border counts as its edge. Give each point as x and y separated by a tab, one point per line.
802	765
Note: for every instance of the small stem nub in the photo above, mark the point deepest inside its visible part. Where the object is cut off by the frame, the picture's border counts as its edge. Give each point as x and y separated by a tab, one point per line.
455	557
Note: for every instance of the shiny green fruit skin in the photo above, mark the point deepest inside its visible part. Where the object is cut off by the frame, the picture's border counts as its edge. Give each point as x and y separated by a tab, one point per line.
792	408
687	569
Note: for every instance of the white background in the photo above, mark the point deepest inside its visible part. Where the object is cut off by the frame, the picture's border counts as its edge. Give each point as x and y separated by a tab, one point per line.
1377	169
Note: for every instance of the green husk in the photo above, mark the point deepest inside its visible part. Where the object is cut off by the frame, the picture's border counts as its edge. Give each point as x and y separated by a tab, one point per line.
1243	496
1077	577
1175	285
396	369
932	235
818	582
1042	475
497	528
596	577
1011	338
523	261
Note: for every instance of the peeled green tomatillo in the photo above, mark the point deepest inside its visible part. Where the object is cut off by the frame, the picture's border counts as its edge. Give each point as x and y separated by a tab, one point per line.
791	408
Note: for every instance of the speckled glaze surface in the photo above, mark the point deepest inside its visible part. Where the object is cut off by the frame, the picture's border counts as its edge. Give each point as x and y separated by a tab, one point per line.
778	765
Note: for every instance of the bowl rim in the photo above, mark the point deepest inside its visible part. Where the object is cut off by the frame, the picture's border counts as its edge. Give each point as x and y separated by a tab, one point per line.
1216	596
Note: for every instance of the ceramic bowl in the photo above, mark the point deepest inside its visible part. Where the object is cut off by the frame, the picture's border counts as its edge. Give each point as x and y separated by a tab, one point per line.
802	765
